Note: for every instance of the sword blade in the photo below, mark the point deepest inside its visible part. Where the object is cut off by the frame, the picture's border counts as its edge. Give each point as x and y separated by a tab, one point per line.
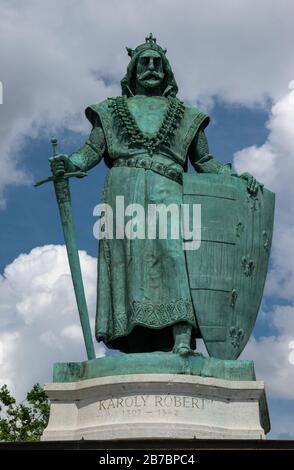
63	199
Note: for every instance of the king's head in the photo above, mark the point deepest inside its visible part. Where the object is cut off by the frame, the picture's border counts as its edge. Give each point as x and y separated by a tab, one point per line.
149	72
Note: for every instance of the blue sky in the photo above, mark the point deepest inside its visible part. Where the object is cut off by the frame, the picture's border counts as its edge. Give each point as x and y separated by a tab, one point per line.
54	62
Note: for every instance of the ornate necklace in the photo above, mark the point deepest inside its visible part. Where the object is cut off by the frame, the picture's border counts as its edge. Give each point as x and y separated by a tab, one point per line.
136	137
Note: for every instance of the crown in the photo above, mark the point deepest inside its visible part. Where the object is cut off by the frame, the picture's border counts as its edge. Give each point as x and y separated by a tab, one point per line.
150	43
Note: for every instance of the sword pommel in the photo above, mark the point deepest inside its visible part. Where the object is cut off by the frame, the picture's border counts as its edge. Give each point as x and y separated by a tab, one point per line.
54	145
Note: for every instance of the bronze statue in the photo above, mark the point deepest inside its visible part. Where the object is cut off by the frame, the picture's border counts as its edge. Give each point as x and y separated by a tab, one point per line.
147	294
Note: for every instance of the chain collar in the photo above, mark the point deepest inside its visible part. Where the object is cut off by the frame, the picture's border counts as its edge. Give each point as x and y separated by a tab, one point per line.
137	138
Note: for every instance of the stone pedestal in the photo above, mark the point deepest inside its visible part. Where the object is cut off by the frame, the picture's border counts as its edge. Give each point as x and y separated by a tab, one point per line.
156	406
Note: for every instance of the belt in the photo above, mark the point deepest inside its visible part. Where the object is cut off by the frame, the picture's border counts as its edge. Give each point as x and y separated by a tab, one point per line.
149	164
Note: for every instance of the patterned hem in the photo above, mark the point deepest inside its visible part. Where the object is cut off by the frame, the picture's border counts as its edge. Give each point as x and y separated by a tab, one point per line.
149	315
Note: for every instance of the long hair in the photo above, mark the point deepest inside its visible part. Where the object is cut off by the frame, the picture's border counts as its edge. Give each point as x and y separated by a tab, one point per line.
169	85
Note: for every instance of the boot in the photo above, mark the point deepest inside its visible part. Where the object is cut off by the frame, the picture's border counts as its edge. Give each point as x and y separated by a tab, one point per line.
182	337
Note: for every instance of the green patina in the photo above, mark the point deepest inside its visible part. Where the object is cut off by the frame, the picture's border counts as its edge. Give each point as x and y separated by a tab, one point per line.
153	363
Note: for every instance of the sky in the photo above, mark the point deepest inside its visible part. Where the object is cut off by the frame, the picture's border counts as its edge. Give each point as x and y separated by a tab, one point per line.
232	59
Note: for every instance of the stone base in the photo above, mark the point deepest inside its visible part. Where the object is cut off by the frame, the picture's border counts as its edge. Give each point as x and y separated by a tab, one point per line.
156	406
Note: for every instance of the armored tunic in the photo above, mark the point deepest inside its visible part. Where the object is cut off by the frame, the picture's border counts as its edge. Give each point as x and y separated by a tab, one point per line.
143	286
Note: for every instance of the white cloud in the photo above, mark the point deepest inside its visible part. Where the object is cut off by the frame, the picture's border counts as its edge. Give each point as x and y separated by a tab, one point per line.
39	322
58	57
8	344
273	164
72	332
272	354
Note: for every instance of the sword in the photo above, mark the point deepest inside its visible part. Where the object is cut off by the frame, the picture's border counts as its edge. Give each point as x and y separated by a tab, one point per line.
62	192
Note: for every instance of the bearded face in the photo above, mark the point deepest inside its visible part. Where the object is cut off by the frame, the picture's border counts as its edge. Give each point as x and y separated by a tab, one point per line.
149	70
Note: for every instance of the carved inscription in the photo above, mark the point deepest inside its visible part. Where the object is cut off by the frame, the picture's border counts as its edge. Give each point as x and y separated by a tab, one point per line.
151	404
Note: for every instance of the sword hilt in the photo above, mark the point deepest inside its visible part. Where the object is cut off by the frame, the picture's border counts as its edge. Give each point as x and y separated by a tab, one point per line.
77	174
61	175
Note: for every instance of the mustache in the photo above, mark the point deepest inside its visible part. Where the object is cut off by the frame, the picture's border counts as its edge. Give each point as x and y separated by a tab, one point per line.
150	74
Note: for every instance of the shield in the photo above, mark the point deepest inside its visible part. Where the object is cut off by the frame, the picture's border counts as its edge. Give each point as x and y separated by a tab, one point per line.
228	271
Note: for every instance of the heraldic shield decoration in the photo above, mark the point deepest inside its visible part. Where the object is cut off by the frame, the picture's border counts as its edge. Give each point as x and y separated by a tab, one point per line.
228	271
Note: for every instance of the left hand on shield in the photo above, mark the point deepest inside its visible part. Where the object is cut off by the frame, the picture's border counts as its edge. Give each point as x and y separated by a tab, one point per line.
252	184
